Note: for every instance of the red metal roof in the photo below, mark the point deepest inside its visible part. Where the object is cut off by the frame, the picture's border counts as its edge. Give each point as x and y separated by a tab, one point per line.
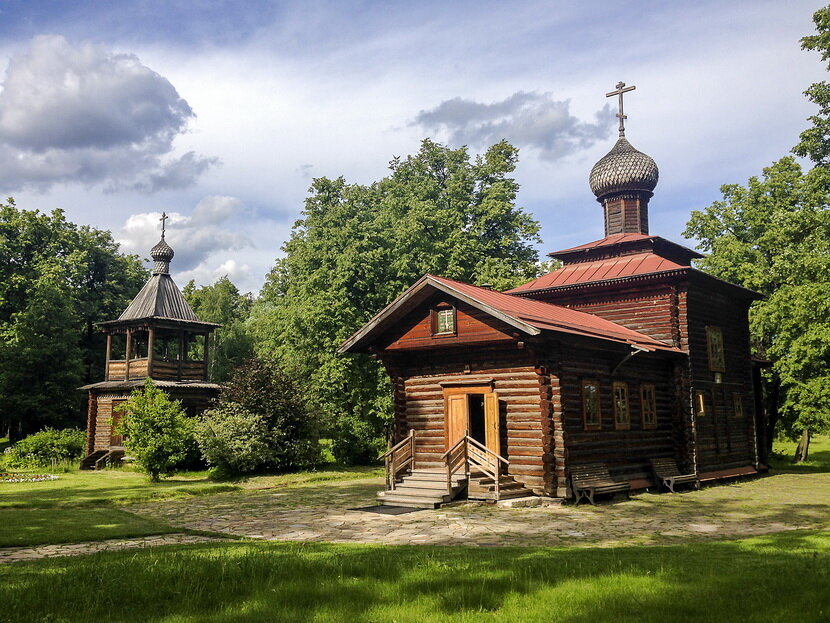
598	270
553	317
608	240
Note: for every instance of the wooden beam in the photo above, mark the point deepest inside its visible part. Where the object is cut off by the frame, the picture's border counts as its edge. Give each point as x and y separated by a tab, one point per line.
109	356
151	341
205	355
127	354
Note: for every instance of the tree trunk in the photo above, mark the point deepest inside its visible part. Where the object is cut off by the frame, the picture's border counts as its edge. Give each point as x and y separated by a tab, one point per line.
773	395
802	450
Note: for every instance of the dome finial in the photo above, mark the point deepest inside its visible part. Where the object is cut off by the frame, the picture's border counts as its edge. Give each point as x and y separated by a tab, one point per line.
162	253
621	88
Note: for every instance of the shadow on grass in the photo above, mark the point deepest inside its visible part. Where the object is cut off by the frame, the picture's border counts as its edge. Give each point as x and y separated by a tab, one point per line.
762	579
818	462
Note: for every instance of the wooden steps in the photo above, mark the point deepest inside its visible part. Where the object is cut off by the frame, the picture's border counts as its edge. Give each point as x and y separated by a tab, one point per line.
101	459
423	488
482	487
89	461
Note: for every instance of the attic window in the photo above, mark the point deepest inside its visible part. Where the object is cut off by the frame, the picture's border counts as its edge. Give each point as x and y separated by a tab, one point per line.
444	321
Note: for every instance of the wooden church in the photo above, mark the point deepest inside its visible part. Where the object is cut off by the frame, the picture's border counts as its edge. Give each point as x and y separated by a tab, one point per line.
625	355
158	337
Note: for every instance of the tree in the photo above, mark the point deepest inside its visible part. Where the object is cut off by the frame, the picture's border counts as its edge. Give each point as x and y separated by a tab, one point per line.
358	246
231	345
282	415
156	431
57	279
815	141
773	236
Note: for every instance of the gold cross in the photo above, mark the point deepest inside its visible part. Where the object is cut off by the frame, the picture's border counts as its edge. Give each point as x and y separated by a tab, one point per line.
163	218
621	88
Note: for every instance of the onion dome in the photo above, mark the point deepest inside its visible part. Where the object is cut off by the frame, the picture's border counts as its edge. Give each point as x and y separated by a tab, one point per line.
623	169
162	253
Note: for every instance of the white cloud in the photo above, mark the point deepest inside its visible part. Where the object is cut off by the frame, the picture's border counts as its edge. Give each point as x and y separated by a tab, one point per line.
85	114
535	120
208	272
193	238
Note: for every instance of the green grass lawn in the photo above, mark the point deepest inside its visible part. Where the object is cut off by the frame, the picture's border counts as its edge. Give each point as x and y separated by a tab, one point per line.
817	461
83	506
780	577
40	526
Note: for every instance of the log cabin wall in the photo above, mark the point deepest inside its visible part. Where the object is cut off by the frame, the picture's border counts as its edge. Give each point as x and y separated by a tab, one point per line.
420	402
725	440
625	452
103	418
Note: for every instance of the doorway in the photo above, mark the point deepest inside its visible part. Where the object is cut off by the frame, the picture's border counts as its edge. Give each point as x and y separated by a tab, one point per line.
473	411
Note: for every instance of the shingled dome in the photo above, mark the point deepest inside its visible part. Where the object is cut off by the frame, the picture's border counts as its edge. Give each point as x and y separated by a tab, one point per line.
162	253
623	169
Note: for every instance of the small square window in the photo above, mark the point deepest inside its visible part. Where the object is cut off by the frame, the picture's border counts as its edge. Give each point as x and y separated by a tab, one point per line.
648	401
738	404
622	416
445	321
591	414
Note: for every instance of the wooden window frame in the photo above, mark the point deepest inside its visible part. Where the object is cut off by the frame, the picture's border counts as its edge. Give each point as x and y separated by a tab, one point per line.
434	321
617	424
716	364
700	404
651	423
737	405
598	402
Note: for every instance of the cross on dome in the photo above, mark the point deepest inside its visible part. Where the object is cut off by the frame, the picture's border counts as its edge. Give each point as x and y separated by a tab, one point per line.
621	88
163	220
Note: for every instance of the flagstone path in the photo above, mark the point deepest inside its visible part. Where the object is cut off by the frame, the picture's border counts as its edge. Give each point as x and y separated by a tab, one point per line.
325	512
14	554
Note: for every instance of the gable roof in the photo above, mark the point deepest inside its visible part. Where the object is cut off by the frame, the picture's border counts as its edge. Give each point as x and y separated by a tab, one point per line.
527	315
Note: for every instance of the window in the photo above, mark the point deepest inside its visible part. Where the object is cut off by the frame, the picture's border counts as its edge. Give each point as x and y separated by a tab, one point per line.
714	344
622	417
591	415
738	404
648	401
700	404
444	321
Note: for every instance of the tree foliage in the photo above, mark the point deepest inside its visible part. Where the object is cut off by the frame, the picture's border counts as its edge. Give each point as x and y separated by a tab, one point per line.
231	345
773	236
814	142
284	418
359	246
157	433
56	280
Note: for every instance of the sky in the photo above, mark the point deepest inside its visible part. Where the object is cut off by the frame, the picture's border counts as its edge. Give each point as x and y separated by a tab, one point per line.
220	113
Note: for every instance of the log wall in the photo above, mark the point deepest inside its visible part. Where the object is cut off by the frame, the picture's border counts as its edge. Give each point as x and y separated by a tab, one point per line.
514	377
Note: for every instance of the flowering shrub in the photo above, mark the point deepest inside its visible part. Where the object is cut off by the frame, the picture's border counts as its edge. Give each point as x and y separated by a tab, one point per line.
45	448
12	477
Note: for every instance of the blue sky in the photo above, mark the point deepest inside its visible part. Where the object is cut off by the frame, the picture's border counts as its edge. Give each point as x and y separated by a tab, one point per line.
221	112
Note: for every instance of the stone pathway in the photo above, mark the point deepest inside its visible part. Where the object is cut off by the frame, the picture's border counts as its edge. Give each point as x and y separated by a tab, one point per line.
324	512
14	554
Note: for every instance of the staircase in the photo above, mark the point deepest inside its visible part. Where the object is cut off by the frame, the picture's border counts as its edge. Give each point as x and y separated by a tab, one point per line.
483	487
102	458
423	488
469	466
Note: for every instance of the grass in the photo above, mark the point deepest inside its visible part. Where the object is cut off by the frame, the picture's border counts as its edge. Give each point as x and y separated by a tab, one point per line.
83	506
41	526
765	579
818	459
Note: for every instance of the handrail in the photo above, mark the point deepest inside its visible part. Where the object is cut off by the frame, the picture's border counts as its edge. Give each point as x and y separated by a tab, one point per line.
391	462
398	445
470	458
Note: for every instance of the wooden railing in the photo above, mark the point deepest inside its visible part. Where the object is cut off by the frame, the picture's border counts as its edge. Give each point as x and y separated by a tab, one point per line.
469	454
397	458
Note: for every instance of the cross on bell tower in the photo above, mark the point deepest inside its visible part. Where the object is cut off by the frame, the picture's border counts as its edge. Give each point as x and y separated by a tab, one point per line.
163	220
621	88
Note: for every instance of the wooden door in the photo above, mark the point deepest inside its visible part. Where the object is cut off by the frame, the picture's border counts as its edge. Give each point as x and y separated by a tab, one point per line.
458	410
491	422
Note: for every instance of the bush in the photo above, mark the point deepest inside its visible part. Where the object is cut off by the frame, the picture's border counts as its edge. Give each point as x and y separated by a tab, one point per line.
46	448
263	389
156	431
235	441
356	442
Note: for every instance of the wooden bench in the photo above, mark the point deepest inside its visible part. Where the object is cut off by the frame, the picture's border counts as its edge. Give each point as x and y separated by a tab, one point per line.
591	478
667	473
